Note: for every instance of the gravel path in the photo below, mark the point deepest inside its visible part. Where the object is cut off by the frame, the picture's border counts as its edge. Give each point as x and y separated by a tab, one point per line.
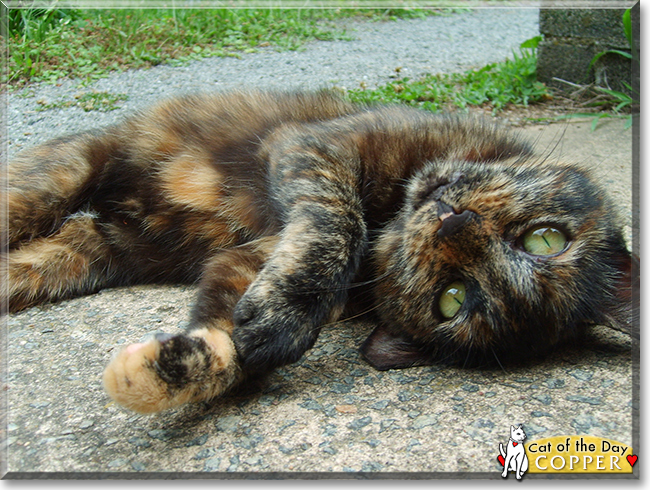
431	45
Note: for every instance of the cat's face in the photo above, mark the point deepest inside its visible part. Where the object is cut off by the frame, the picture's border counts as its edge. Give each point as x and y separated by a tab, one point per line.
493	262
517	433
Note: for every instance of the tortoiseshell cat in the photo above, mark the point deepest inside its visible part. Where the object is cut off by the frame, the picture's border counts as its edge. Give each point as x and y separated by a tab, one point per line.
284	205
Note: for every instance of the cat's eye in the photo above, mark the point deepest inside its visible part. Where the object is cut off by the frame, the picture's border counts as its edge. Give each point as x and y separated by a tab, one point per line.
452	299
544	240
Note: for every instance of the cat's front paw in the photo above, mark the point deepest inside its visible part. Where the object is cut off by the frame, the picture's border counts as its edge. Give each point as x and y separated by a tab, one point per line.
275	325
168	371
271	334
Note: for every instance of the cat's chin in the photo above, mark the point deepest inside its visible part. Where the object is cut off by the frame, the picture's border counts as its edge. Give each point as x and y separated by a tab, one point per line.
385	349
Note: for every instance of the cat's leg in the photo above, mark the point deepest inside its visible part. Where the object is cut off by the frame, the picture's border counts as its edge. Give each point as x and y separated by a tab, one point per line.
73	261
202	362
304	284
524	463
42	186
519	465
515	465
506	464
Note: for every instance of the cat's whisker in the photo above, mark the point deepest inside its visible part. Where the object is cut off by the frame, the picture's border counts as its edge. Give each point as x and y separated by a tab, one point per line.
555	142
358	315
496	358
467	358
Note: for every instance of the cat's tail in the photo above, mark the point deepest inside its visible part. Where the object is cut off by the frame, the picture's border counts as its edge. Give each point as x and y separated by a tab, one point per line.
502	450
42	186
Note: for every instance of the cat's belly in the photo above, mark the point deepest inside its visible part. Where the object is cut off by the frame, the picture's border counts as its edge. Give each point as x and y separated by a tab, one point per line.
164	218
171	245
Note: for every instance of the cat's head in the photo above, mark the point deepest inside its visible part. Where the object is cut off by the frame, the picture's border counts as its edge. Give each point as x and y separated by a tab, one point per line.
517	433
487	263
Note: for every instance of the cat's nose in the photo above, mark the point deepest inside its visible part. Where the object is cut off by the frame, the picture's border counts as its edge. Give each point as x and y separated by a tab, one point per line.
452	222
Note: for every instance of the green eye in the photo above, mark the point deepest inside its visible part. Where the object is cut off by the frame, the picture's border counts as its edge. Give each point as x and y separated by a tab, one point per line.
452	299
544	240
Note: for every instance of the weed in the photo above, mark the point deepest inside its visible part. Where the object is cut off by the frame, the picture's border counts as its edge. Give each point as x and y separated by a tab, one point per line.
627	29
88	101
610	103
47	45
88	44
497	85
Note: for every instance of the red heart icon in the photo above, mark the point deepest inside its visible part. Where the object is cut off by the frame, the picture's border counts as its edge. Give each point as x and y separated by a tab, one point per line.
632	459
503	461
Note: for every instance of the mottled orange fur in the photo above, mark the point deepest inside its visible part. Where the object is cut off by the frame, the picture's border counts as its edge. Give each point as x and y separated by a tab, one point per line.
280	204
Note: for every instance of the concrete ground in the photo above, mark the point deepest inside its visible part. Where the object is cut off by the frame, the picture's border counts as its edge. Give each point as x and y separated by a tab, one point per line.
328	414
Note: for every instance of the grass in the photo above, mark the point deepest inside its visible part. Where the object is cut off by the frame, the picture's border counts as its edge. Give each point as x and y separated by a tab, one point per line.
612	103
88	44
46	45
602	103
88	101
496	85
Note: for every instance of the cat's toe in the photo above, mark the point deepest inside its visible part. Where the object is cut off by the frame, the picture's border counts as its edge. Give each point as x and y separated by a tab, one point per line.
168	371
131	379
272	332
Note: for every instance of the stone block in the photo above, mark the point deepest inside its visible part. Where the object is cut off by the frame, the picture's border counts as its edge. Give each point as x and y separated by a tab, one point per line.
572	37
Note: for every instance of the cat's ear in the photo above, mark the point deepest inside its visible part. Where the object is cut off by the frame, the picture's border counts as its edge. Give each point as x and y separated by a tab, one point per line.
625	318
383	351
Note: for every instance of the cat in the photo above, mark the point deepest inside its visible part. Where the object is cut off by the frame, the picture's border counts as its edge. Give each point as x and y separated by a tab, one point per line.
514	455
466	247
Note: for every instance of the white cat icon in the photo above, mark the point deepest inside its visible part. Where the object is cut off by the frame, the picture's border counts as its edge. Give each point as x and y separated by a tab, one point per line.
513	456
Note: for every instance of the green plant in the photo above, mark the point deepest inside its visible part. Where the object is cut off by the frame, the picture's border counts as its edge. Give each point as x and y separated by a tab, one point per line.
496	85
615	101
33	24
88	101
627	29
49	44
